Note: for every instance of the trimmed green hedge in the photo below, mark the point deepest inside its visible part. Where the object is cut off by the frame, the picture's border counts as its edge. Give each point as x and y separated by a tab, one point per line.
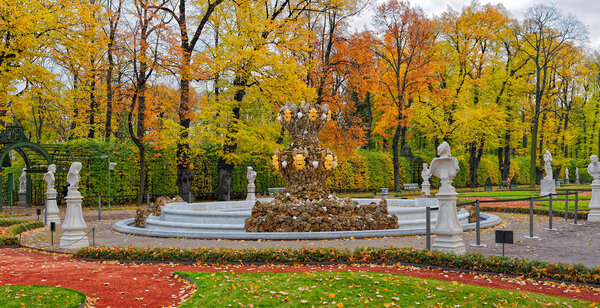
477	262
15	228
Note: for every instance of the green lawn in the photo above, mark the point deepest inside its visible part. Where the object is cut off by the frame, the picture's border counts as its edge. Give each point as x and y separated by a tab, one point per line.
502	194
39	296
560	205
345	289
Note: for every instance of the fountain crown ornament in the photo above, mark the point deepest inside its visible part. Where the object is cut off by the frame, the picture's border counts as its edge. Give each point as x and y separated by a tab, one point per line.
304	123
445	168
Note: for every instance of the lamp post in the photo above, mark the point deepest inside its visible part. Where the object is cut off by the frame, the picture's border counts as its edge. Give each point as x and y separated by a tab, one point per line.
111	166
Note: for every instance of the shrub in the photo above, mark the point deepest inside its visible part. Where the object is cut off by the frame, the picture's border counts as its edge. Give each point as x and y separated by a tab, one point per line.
474	262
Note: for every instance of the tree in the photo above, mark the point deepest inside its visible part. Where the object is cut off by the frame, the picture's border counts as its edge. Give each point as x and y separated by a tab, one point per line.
187	42
406	52
543	34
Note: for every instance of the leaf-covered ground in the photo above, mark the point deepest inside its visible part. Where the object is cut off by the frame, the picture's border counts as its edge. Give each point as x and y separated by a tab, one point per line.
353	289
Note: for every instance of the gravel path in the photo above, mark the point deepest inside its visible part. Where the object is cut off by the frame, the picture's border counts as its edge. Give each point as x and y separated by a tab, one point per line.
568	244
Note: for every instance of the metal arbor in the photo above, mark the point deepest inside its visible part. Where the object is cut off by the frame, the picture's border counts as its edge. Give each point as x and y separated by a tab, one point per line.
36	158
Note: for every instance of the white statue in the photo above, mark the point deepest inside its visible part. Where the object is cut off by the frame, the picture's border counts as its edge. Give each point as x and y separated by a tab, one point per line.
548	164
576	175
73	177
49	176
23	181
447	227
594	205
593	168
567	174
445	167
52	212
251	176
425	186
426	173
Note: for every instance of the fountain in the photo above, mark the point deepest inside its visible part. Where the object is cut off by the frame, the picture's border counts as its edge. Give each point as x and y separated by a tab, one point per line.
307	211
308	205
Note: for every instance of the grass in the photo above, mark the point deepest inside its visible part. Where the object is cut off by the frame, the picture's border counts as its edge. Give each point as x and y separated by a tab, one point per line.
39	296
503	194
560	205
358	289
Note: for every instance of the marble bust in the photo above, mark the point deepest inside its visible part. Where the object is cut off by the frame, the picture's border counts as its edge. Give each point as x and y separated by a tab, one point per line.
49	176
73	176
445	168
593	168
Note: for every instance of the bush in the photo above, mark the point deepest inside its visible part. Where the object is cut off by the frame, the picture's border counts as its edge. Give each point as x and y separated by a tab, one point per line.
474	262
16	227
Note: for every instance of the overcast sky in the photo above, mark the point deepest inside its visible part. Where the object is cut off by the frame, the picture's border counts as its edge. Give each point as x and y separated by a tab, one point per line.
587	11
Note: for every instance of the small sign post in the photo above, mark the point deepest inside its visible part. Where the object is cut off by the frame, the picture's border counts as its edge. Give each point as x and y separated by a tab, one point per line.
504	237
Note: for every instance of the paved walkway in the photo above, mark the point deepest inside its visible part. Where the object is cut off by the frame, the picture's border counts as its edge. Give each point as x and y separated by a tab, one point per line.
568	244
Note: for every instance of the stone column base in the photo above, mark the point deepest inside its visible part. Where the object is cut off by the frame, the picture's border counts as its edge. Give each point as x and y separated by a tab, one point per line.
251	196
22	199
74	240
548	186
449	243
594	215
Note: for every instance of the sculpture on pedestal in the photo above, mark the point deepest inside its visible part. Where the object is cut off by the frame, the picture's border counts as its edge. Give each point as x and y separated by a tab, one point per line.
577	181
548	165
23	181
425	175
52	211
567	175
74	226
593	169
447	228
22	188
308	205
547	185
251	176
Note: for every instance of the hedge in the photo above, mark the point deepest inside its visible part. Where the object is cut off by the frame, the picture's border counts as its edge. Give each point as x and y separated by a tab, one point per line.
475	262
16	227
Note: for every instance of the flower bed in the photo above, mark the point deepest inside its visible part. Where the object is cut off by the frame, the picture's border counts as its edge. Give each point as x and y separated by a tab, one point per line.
474	262
12	228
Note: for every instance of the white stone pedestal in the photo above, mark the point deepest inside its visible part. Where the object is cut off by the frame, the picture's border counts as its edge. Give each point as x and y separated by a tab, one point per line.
22	198
251	192
426	188
448	228
74	226
577	181
548	186
51	207
594	205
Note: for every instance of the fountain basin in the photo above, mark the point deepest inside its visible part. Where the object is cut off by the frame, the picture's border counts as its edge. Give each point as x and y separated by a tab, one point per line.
225	220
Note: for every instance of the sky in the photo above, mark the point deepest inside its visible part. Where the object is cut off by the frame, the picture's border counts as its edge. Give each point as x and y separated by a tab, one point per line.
587	11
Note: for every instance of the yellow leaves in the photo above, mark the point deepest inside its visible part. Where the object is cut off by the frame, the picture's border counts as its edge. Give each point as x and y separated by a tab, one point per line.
299	161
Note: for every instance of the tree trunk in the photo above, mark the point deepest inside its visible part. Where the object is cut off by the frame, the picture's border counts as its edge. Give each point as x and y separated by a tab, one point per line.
369	125
93	107
225	166
475	153
109	95
185	176
396	157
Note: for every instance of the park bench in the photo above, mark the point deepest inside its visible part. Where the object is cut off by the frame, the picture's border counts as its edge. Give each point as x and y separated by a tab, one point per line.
411	186
276	190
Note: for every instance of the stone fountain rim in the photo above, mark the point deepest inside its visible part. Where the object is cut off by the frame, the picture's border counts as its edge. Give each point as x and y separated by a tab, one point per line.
127	226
